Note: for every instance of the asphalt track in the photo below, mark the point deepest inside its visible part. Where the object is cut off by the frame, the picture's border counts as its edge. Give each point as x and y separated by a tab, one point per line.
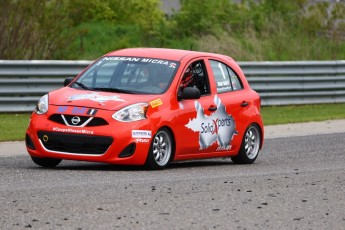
298	182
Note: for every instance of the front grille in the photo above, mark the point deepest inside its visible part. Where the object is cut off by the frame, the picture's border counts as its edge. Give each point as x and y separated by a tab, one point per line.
75	143
95	121
57	118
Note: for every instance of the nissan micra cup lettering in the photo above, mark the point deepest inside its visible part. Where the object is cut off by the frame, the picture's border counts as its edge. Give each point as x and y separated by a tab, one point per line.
147	106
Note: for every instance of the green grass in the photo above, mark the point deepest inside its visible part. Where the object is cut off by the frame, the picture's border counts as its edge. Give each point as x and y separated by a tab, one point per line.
13	126
273	115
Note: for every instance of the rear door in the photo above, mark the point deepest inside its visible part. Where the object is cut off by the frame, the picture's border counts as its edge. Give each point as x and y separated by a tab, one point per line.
232	96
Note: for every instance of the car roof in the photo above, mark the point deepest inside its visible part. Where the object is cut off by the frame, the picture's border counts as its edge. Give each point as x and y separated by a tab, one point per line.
163	53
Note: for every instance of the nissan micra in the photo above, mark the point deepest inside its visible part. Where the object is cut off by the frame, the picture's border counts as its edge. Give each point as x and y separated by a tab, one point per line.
149	106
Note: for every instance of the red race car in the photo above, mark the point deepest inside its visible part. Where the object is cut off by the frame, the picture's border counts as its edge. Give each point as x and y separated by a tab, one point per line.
148	106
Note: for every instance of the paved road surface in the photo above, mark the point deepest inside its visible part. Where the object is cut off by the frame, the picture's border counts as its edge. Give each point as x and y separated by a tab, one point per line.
289	130
296	183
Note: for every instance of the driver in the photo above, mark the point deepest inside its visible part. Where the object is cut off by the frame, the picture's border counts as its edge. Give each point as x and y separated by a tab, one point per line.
188	79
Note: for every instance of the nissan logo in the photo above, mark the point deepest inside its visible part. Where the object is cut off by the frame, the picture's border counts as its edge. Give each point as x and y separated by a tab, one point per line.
75	120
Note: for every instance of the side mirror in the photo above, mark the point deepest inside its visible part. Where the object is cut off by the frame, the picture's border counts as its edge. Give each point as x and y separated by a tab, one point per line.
189	93
68	81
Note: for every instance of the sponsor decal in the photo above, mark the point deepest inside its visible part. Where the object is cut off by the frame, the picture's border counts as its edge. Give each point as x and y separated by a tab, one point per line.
92	112
144	141
220	127
77	110
69	130
62	109
155	61
122	59
172	65
94	97
156	103
169	64
222	148
223	83
141	134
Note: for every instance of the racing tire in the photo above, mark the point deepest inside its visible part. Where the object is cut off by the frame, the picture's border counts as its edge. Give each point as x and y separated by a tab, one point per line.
161	150
46	162
250	146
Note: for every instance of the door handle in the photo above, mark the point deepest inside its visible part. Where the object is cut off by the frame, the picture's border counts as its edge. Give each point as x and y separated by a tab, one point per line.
244	104
212	108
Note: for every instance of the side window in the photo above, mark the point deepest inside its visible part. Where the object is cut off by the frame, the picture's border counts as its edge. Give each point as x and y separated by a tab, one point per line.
225	78
221	76
196	76
235	81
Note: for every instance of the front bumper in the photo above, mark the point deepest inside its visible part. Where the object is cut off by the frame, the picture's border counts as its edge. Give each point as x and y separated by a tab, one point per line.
110	143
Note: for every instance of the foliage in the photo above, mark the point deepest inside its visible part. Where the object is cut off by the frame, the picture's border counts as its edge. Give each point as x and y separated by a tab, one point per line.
82	11
98	38
106	25
247	30
277	30
32	28
198	17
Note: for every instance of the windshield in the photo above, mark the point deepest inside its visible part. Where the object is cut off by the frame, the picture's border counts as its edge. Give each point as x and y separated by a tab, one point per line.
133	75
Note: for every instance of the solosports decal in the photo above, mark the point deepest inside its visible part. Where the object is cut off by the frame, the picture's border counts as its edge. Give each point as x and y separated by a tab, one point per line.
94	97
220	127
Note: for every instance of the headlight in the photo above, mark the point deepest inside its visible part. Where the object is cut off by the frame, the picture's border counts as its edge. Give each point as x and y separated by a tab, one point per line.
42	105
134	112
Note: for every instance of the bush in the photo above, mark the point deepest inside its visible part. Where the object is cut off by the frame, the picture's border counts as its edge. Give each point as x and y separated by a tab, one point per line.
250	30
32	29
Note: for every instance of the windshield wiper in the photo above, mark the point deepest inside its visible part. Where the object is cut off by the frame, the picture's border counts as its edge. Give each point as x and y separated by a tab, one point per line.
81	85
115	90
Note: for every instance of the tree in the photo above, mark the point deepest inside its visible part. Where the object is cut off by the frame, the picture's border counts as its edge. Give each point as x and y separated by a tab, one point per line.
32	29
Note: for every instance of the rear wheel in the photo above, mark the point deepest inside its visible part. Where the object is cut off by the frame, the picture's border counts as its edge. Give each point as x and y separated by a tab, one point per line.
250	146
161	150
46	162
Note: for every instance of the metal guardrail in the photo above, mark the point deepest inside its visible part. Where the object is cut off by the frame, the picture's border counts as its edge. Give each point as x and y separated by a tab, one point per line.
297	82
278	83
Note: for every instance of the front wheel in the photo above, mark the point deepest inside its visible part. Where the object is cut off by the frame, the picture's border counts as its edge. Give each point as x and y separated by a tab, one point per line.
161	150
250	146
46	162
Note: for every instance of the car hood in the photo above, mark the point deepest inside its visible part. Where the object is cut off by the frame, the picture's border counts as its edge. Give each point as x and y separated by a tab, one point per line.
95	99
